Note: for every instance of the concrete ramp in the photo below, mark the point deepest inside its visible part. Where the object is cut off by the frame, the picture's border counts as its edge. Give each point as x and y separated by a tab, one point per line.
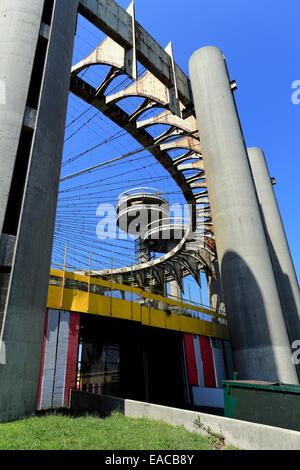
242	434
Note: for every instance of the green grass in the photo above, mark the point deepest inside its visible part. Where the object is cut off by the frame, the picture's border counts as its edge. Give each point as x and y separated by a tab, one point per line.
60	431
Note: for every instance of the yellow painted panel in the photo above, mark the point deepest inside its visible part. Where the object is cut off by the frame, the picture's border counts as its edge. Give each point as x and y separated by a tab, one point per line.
157	318
172	322
53	297
99	304
80	301
134	290
145	315
121	309
94	280
187	324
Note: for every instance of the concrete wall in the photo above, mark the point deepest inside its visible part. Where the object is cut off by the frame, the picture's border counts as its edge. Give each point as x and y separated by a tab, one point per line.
241	434
24	315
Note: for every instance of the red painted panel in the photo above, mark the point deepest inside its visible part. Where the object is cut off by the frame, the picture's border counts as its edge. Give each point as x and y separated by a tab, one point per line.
71	367
191	359
208	362
42	360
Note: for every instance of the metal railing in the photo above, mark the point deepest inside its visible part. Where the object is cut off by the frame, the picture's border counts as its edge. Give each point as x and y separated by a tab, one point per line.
147	296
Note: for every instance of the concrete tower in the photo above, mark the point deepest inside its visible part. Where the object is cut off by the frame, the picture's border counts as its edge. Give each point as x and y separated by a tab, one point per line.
283	266
261	346
36	46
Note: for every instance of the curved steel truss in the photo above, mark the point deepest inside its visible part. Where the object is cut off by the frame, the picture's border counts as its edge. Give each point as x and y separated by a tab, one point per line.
196	251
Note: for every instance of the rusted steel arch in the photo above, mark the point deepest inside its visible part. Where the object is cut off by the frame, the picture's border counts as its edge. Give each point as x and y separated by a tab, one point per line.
150	88
156	94
146	105
175	272
187	142
188	125
196	165
111	51
132	36
169	133
147	86
187	157
89	94
107	53
199	177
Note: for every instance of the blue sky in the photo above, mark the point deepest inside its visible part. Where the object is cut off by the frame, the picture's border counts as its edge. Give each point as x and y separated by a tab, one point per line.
260	41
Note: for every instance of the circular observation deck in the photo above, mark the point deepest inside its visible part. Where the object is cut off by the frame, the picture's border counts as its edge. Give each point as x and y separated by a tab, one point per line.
138	207
165	234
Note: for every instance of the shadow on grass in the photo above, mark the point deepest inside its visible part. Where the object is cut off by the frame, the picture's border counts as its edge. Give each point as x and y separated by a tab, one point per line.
68	412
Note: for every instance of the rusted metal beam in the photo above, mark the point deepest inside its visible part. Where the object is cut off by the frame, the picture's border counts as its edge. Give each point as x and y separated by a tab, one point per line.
87	93
117	23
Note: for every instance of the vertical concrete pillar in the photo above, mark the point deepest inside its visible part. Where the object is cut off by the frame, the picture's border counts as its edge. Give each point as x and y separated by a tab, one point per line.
259	337
176	293
215	292
284	270
175	290
20	24
215	289
24	315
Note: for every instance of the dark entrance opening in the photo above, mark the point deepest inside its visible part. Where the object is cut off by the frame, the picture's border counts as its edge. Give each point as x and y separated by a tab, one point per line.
129	360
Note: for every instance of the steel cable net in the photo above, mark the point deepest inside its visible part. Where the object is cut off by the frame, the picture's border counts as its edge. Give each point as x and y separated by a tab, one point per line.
84	199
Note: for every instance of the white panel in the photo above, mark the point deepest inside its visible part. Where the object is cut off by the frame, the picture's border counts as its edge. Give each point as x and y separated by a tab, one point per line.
49	360
61	359
199	361
218	356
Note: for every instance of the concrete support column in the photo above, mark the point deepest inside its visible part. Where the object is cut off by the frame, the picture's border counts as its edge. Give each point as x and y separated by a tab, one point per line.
215	292
215	289
175	290
261	347
176	293
20	24
144	253
283	266
24	315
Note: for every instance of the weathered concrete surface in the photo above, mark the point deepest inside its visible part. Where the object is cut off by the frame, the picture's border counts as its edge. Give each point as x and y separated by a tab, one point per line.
282	262
175	290
241	434
260	342
24	315
7	245
215	289
114	21
19	30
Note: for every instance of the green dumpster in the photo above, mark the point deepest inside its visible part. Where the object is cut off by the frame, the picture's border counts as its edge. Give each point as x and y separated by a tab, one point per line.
268	403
